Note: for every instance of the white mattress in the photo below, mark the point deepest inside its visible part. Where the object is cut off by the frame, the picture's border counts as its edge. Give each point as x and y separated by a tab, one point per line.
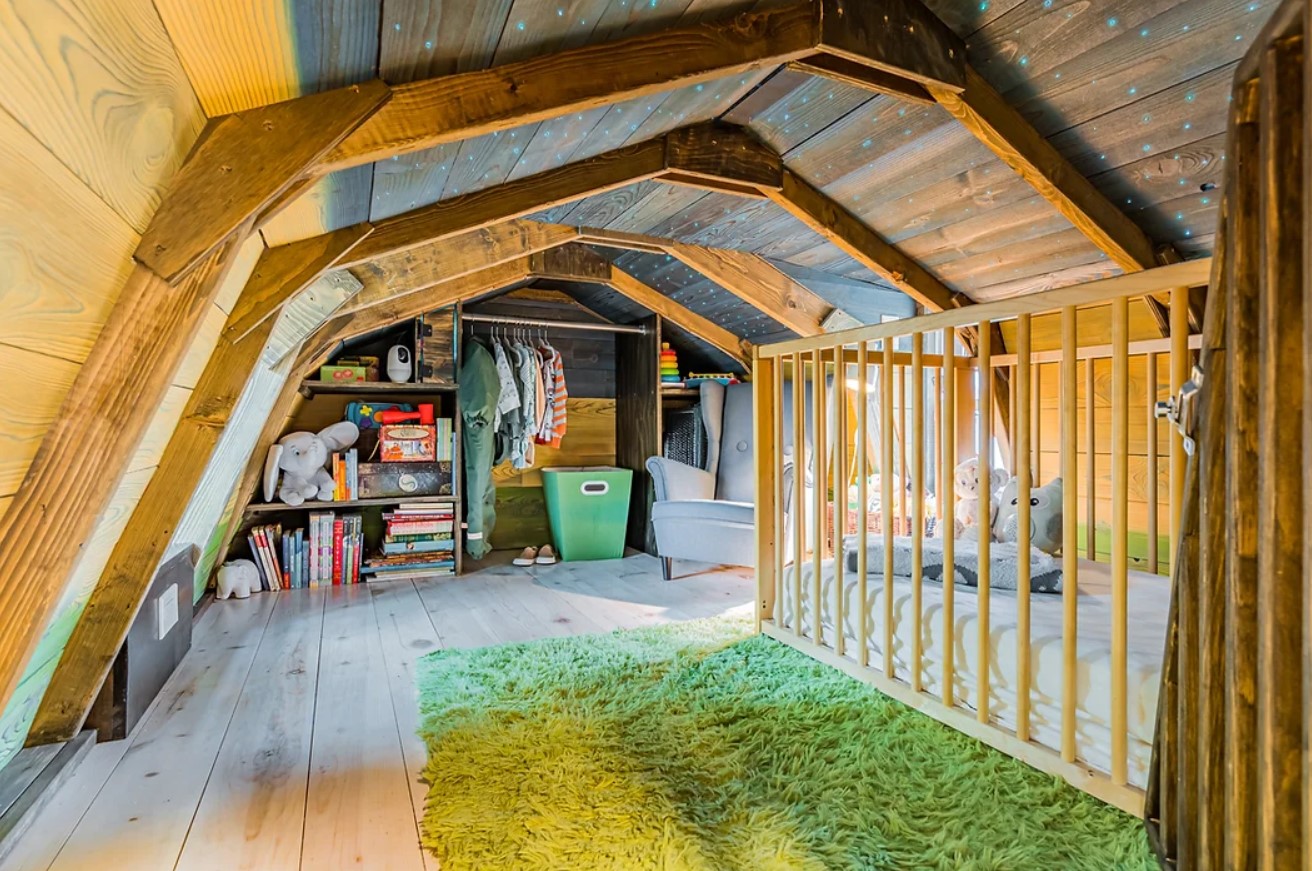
1149	599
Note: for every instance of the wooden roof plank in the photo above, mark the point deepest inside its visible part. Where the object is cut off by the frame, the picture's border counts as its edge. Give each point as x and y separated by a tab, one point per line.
704	329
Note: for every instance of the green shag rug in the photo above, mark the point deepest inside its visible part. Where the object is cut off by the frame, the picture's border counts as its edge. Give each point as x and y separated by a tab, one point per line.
700	746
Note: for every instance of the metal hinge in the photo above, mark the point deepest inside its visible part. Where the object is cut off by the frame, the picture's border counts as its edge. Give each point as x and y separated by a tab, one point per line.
1182	410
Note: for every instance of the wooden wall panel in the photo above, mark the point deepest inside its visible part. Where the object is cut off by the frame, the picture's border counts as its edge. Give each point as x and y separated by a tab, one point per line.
98	83
589	441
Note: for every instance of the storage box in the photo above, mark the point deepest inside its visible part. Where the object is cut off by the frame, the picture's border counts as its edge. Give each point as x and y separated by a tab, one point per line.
407	443
589	510
350	369
383	480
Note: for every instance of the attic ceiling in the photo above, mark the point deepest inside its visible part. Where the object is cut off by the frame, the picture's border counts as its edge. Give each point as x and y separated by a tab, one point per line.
1133	92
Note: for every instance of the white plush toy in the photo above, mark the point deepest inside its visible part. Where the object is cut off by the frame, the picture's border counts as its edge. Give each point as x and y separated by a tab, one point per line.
238	578
969	493
1045	515
300	457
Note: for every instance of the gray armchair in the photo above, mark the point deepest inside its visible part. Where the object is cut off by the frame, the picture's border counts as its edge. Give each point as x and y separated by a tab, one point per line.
709	515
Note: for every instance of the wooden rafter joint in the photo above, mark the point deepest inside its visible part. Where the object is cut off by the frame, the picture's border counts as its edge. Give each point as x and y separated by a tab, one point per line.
901	37
839	69
723	153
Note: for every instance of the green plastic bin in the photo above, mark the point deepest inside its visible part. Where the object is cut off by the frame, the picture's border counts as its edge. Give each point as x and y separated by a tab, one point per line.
588	507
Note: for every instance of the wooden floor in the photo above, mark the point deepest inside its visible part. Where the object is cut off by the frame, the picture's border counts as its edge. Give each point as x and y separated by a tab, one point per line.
287	737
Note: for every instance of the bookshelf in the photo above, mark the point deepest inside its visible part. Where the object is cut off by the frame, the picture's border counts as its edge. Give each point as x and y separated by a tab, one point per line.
267	507
372	388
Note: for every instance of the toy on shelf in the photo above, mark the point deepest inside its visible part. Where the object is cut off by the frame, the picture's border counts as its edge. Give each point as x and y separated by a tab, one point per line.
696	378
670	366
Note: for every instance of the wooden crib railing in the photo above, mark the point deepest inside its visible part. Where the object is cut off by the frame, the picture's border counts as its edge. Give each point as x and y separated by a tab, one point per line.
906	399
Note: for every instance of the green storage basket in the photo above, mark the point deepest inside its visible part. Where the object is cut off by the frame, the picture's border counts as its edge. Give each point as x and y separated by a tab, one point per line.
588	507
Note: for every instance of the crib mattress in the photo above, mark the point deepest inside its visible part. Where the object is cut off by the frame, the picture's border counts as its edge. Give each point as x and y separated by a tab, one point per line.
1148	607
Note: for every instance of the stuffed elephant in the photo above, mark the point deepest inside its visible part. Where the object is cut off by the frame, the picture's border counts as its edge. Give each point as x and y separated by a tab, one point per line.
238	578
300	458
1045	515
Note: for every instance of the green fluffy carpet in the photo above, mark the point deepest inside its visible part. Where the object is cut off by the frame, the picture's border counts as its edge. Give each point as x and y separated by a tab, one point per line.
699	746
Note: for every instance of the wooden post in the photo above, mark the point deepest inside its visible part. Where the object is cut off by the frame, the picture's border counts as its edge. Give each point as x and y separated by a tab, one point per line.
1179	366
781	493
1070	506
917	506
1150	482
948	498
1021	430
1091	461
984	566
886	498
862	497
1120	532
764	375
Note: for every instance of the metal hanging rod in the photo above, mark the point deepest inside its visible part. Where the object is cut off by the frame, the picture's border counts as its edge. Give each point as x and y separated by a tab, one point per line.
551	325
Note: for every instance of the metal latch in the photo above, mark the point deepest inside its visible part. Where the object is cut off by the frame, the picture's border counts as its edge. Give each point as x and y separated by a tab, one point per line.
1182	410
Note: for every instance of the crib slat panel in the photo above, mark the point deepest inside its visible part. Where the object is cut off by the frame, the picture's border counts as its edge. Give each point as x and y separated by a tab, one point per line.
917	504
840	494
781	493
1150	402
862	496
1036	417
1091	466
1120	531
984	566
948	501
800	460
901	399
886	497
1021	429
763	393
1070	507
1012	453
819	489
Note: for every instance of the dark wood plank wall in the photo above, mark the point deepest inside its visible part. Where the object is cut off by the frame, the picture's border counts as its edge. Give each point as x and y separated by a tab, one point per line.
1132	91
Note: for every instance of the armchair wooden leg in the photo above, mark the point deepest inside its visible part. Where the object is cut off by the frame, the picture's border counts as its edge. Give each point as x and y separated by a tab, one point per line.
667	567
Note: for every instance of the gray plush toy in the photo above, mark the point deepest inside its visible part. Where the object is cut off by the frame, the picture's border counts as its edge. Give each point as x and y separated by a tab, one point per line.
300	457
1045	515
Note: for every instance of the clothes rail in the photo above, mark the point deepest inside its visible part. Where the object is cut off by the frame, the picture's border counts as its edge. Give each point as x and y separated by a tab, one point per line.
552	325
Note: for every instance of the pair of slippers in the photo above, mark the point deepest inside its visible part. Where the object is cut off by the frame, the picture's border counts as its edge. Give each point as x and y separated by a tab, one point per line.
542	556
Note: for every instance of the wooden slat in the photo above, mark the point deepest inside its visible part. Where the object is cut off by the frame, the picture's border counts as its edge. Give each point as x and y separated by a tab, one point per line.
765	416
1150	405
760	284
702	328
1281	670
842	477
781	494
1179	370
514	199
1021	430
452	108
801	456
897	36
82	456
857	75
918	486
1070	554
886	497
127	576
862	497
411	271
1120	531
839	226
1091	467
285	271
948	437
268	149
819	490
984	566
985	113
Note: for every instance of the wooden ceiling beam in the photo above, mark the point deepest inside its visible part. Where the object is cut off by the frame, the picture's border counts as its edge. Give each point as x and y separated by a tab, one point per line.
897	36
572	262
286	270
415	269
653	300
866	78
244	164
849	233
723	152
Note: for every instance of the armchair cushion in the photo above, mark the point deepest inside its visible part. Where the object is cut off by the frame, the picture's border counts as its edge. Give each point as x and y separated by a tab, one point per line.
709	511
678	481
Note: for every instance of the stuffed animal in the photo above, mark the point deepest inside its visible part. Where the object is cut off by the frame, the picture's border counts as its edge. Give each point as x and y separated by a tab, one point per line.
969	493
300	457
238	578
1045	515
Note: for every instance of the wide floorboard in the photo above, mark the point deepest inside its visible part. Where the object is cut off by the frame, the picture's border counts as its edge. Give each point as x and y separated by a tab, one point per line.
287	737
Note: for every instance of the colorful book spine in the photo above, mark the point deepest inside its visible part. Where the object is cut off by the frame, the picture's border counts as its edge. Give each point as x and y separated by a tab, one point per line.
437	546
338	532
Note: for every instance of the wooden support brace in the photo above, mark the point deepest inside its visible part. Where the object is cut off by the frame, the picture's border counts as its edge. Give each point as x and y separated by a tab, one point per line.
244	164
760	285
652	299
857	75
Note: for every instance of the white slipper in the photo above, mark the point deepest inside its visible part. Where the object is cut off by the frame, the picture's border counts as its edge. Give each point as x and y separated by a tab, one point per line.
527	557
546	556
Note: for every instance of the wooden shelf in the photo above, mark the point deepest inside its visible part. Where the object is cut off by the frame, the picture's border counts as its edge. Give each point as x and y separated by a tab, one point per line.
680	392
266	507
372	388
